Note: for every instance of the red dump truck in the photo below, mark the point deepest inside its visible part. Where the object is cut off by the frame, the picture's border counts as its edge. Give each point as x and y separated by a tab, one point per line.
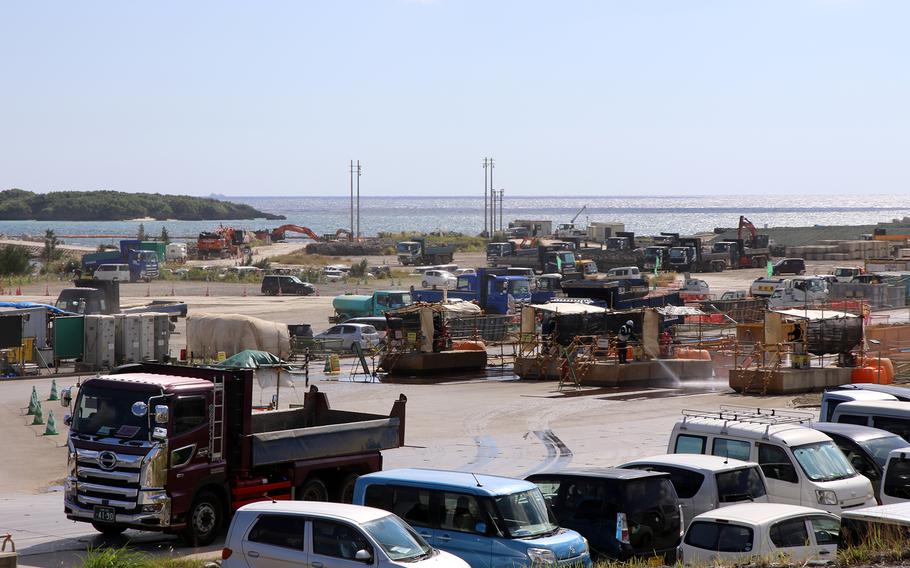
179	449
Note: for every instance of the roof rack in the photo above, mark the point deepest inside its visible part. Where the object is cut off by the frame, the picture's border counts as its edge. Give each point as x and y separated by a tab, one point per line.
767	416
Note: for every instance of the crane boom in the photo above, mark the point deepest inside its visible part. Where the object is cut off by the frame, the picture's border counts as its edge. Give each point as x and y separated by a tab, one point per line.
278	233
583	207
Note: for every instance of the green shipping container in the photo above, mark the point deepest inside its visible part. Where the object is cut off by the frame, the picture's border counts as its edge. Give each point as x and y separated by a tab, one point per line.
69	338
157	246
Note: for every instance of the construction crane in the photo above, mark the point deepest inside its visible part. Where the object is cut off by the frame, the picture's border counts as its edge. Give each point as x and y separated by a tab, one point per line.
279	232
580	211
568	229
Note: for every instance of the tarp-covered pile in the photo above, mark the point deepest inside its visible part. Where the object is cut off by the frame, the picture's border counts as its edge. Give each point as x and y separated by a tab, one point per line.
207	334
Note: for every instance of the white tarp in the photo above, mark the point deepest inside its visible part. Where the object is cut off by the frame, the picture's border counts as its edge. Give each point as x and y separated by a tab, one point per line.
457	306
814	315
207	334
569	308
679	311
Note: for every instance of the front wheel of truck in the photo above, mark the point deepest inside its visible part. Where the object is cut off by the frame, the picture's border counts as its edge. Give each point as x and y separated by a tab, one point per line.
109	530
204	521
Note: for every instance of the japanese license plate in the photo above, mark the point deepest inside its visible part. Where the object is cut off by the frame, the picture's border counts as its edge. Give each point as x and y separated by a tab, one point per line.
104	514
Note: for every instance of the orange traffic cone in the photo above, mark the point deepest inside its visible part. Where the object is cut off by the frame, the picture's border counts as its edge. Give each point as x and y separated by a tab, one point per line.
18	290
244	292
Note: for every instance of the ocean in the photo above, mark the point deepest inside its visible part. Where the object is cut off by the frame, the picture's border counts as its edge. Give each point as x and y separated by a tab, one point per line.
643	215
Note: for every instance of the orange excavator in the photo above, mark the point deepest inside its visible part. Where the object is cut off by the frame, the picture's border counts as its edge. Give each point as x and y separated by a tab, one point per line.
278	234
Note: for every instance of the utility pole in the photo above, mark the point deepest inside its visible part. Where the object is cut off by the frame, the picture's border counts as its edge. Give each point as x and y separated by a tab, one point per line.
358	199
492	207
501	191
352	198
486	217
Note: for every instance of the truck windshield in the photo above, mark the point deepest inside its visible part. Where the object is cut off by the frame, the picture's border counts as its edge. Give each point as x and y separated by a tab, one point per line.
823	461
407	248
107	412
519	288
525	514
397	539
401	300
677	254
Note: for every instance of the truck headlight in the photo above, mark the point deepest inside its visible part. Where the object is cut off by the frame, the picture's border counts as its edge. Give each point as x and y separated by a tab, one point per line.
826	497
153	501
541	557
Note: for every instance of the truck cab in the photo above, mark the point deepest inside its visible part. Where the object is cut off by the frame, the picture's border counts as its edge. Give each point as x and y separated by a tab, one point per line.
499	250
349	306
408	252
799	291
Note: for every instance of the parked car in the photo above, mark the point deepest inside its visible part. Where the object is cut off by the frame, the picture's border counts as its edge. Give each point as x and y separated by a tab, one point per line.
789	266
438	278
273	284
896	478
624	513
847	273
831	399
380	323
753	533
465	272
350	333
624	273
316	533
866	448
704	483
858	527
333	274
802	466
734	295
890	415
488	521
113	272
898	392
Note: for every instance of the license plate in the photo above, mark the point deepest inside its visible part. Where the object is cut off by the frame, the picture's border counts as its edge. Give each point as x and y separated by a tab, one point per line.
104	514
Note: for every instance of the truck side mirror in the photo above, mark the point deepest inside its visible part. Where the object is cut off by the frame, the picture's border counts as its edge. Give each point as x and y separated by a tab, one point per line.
161	414
66	397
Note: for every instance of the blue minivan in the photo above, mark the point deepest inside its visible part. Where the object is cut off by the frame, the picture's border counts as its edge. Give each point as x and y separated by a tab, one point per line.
488	521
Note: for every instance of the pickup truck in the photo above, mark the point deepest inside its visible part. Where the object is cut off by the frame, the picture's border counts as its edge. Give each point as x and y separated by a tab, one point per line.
179	449
494	290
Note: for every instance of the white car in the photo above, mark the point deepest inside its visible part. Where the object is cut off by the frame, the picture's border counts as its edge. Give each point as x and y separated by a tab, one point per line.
315	533
465	272
113	272
333	274
438	278
760	533
347	334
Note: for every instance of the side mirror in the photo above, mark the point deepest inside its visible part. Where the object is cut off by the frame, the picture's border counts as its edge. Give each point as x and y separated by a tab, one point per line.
66	397
68	419
161	414
480	528
363	556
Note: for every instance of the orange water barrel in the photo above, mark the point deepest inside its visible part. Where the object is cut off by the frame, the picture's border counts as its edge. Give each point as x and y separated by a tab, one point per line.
869	375
886	364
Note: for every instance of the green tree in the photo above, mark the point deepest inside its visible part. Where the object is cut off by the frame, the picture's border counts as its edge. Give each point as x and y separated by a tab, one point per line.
141	234
165	236
13	261
50	252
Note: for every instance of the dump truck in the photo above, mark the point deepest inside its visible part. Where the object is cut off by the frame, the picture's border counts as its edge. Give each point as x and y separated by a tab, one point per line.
349	306
416	252
554	258
179	449
141	257
743	256
493	289
102	297
691	256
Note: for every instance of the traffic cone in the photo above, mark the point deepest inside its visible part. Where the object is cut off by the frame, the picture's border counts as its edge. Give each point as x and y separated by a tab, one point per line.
51	429
328	366
244	292
33	402
39	416
148	291
206	290
18	290
47	291
54	395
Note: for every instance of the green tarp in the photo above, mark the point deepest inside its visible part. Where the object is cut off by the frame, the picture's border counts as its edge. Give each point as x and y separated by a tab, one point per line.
251	359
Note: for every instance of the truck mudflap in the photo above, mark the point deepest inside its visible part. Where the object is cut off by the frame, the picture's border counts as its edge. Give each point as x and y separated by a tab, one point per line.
315	442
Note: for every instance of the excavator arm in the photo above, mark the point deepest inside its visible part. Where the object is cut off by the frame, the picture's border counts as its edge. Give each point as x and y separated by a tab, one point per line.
278	233
745	224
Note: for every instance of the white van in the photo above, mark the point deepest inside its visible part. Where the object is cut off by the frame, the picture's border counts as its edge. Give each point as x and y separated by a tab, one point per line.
890	415
623	273
896	479
704	483
760	533
802	466
833	398
175	252
799	291
118	272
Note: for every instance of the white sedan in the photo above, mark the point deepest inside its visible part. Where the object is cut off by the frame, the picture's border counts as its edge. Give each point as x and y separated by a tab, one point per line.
438	278
347	334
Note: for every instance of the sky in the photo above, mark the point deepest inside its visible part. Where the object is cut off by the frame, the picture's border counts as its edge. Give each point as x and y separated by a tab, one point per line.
635	97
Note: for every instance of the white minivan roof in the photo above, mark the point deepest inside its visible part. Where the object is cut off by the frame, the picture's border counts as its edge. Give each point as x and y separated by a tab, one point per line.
703	463
861	395
791	434
875	407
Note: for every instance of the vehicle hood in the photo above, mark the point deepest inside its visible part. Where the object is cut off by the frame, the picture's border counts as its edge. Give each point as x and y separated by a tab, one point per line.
565	543
442	559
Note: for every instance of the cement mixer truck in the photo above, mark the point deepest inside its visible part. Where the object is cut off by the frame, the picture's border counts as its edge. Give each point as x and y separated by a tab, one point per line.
349	306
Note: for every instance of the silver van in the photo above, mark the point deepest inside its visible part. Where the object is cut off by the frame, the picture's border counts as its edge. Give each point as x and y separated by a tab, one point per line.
890	415
704	482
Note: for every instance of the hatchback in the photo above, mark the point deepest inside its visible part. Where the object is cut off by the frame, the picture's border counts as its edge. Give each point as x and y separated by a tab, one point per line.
314	533
438	278
347	334
789	266
754	533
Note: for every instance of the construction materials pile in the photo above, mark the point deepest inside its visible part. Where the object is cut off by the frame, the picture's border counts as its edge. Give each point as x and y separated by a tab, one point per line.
842	250
366	247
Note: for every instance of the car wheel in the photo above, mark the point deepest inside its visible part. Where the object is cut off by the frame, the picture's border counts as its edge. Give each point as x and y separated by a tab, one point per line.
313	490
204	520
424	284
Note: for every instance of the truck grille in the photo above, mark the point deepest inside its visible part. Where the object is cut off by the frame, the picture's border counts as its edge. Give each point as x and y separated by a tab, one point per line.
107	478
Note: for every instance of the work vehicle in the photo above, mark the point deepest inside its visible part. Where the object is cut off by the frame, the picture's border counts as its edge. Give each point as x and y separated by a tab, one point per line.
307	533
440	278
416	252
896	477
379	323
280	233
795	266
224	242
734	295
177	449
487	521
890	415
175	252
555	257
143	263
898	392
764	287
704	483
799	291
831	399
743	256
623	513
587	268
347	334
624	240
695	289
569	229
689	255
656	257
802	466
866	448
91	297
349	306
751	533
859	527
847	273
493	289
274	284
118	272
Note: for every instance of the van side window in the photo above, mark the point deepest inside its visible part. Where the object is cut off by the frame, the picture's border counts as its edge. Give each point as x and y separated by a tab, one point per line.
776	464
853	419
790	533
461	513
831	405
409	503
285	531
736	449
897	479
899	426
686	444
686	482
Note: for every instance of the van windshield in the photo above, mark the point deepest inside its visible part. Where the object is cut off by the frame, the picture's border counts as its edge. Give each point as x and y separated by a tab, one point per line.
879	448
823	461
397	539
525	514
